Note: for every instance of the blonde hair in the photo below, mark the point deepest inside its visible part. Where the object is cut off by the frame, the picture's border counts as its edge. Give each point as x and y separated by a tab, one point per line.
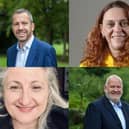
54	95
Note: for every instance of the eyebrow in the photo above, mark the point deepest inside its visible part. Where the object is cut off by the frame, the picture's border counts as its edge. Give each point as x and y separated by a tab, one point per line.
117	20
36	81
13	81
19	81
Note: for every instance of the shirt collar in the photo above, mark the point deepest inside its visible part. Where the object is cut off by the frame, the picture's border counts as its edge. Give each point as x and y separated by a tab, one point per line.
27	44
118	104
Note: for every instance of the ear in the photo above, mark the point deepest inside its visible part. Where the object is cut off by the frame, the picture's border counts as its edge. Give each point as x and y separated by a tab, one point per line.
33	26
101	29
105	89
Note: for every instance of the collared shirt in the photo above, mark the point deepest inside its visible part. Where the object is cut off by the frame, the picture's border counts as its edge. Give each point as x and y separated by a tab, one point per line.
118	110
22	53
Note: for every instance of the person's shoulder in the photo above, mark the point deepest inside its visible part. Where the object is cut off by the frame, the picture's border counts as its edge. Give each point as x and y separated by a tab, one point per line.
125	104
96	105
42	43
4	122
59	110
58	118
4	117
98	101
12	47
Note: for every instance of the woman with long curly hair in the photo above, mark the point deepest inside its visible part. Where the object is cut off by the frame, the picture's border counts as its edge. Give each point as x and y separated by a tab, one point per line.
108	42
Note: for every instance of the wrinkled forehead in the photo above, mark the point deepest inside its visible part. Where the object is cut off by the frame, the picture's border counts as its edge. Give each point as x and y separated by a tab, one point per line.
115	81
22	15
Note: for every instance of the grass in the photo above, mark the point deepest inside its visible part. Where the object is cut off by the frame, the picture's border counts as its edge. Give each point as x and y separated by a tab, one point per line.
2	61
62	62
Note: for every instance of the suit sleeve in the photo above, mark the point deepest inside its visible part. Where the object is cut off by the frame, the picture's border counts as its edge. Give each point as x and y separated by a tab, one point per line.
92	119
50	59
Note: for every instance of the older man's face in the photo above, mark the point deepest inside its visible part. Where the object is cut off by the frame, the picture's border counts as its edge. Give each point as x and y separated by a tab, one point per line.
114	90
26	94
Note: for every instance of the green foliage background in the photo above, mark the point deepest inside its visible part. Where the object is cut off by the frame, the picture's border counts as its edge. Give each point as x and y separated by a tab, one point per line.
50	18
86	85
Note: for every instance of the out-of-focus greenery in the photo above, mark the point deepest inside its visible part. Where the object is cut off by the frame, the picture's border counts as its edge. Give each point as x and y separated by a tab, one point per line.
86	85
59	48
2	61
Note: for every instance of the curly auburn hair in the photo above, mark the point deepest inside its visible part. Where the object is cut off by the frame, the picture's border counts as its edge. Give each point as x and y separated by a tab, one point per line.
96	48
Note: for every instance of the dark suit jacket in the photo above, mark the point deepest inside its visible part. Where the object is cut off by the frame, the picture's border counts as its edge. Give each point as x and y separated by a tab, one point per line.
101	115
57	119
41	55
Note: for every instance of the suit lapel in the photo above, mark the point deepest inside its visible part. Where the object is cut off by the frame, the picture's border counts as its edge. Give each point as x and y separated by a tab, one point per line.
112	111
32	54
13	56
126	115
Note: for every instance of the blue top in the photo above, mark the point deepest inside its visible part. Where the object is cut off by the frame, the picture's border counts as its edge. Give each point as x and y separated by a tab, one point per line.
41	54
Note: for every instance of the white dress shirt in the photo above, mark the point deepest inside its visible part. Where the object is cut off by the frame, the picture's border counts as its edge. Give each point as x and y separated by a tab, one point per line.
23	53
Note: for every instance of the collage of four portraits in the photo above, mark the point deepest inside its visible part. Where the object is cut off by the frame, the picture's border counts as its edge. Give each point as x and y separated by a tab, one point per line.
64	64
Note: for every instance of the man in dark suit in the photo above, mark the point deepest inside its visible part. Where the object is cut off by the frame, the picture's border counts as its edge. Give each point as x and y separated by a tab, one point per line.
108	112
28	51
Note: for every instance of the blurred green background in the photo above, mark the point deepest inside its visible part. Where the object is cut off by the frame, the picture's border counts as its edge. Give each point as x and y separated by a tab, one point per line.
86	85
51	25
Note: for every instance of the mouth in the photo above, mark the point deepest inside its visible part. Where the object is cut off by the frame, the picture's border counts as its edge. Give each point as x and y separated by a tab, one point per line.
118	35
21	34
25	109
116	93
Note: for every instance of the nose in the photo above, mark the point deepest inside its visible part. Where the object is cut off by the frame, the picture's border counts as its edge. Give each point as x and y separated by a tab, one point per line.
115	89
117	27
25	98
20	26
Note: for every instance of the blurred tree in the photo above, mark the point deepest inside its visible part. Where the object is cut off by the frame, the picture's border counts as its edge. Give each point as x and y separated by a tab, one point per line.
98	72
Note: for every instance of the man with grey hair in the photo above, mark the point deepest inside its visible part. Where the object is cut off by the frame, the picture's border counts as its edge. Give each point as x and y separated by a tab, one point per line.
28	51
108	112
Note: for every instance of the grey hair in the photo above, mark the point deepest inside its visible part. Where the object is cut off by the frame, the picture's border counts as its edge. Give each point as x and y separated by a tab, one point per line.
54	97
22	10
113	76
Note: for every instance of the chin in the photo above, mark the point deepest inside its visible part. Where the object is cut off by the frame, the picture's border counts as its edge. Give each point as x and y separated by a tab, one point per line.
25	120
115	99
22	40
118	46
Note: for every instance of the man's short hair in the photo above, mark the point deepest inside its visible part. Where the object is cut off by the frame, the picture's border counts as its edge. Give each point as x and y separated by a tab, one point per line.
22	10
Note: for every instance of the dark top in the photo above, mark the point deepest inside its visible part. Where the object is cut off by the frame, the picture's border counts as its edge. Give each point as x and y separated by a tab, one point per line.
57	119
101	115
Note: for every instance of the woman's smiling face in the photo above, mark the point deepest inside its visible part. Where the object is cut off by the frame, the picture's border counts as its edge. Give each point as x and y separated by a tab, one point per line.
26	93
115	28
